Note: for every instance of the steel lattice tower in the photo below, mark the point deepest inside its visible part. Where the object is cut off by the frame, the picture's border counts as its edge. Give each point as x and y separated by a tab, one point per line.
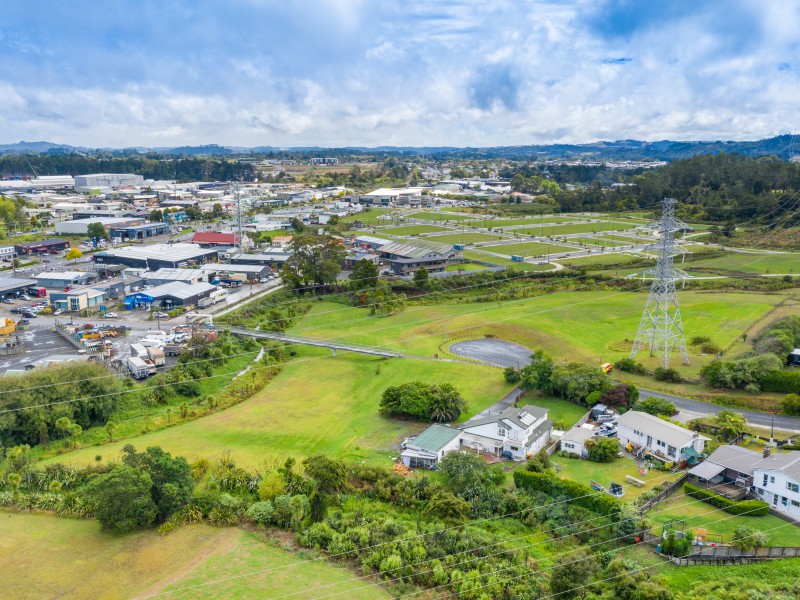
661	328
239	218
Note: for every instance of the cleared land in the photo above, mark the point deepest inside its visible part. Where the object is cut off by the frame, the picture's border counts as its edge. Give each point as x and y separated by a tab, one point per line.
699	514
608	258
582	326
504	262
465	267
368	216
42	556
587	228
530	221
284	418
411	229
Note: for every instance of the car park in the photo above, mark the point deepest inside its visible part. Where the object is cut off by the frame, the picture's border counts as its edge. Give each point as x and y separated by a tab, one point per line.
8	301
28	314
24	297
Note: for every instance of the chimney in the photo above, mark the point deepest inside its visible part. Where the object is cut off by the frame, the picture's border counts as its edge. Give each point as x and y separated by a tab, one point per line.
766	452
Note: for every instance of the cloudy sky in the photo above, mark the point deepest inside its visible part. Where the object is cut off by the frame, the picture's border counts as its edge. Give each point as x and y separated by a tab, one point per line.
406	72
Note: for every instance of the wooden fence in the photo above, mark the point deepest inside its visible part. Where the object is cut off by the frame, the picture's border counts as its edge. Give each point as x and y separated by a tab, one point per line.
662	495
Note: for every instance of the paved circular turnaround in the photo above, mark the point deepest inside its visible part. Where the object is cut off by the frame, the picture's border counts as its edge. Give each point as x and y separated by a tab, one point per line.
496	352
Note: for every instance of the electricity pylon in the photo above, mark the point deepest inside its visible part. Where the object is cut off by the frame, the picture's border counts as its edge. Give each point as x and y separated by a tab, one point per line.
661	328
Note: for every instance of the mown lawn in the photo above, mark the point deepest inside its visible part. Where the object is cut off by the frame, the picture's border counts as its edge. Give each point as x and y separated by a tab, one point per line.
369	216
504	262
317	404
432	216
585	471
465	267
558	408
601	227
43	556
699	514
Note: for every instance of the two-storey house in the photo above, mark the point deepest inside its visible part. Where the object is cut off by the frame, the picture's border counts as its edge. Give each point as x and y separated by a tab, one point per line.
521	432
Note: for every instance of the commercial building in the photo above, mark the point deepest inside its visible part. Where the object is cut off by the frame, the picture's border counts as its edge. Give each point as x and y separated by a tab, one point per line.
81	226
97	182
11	287
213	239
139	231
169	295
77	299
157	256
7	252
63	279
405	258
52	246
223	271
275	260
166	275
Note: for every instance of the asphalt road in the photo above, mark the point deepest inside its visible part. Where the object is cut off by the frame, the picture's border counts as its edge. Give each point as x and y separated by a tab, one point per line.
508	354
38	344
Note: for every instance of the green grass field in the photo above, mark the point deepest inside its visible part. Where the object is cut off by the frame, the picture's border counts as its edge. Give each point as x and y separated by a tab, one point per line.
411	229
317	404
700	514
558	409
752	263
602	227
572	325
467	237
770	573
369	216
504	262
527	249
531	222
43	556
607	258
585	471
465	267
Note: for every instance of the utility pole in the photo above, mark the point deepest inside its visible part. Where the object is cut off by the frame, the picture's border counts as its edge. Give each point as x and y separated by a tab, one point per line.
661	328
239	222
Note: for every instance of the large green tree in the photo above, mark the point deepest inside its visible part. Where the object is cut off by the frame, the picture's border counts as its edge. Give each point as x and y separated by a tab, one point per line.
172	481
364	275
316	261
96	230
329	477
122	499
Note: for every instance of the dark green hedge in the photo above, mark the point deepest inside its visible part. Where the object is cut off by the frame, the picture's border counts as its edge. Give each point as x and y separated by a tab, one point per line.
782	382
751	508
582	495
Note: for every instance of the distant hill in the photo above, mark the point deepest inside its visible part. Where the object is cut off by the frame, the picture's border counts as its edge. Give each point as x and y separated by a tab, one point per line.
783	146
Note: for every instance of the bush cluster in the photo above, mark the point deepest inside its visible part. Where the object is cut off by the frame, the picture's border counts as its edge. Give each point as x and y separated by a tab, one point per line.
581	494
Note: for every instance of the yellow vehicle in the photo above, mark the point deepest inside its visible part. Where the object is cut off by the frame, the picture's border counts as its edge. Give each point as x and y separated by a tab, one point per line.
8	326
607	367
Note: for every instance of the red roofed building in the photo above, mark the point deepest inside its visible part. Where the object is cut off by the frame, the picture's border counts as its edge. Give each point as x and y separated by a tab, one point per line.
212	239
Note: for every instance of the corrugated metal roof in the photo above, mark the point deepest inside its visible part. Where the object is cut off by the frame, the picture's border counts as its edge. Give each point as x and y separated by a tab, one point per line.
658	428
413	250
435	437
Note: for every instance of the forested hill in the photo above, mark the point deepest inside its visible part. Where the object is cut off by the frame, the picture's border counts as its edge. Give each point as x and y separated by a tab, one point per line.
717	188
782	146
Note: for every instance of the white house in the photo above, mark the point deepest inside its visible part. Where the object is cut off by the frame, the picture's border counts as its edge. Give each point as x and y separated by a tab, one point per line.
776	479
520	431
657	436
575	440
428	448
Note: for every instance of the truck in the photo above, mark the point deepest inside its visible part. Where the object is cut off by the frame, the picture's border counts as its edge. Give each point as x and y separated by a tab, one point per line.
156	355
205	302
137	367
218	295
173	349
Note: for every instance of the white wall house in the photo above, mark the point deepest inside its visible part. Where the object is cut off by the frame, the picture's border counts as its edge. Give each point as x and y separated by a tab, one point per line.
776	479
520	431
657	436
430	446
575	440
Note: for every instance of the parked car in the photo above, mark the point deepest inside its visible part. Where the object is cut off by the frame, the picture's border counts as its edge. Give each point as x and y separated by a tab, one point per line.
28	315
58	311
507	455
16	310
24	296
264	280
111	315
8	301
161	315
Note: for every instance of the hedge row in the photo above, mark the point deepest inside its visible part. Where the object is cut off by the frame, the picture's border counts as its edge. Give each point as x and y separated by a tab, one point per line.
751	508
582	495
782	382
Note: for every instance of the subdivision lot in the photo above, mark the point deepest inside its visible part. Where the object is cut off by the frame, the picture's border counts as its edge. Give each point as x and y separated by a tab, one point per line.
369	216
504	262
602	227
467	237
411	229
527	249
432	216
43	556
751	263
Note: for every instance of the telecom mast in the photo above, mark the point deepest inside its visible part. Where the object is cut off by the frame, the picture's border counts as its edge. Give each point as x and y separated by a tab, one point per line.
661	328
